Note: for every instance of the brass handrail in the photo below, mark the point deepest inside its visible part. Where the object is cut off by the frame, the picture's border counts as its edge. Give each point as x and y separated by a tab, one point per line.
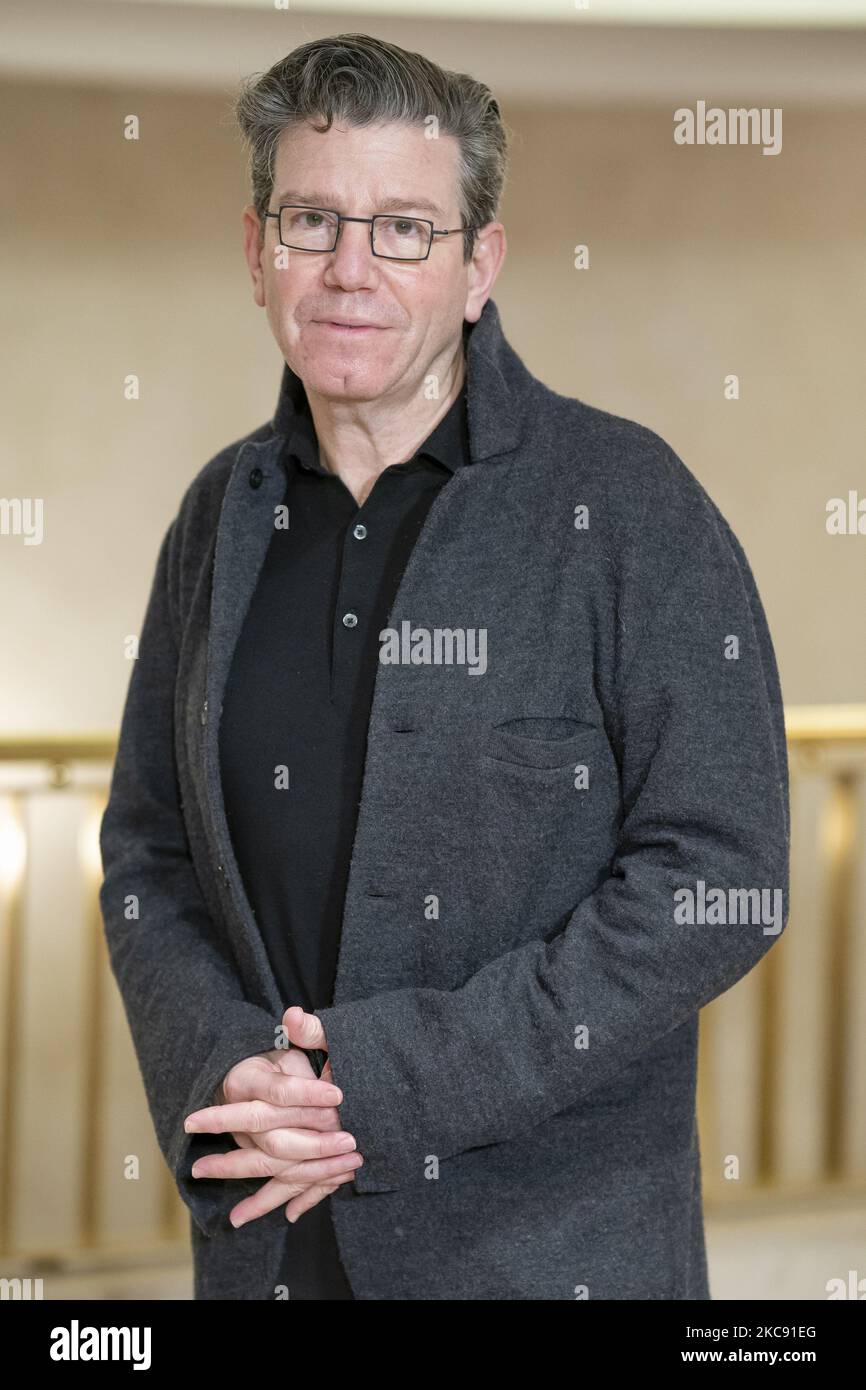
825	723
43	748
811	732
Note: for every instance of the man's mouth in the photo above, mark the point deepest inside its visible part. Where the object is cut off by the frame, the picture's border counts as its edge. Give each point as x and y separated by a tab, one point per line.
348	326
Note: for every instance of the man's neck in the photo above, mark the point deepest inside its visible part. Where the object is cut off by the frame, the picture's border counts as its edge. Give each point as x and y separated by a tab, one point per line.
358	443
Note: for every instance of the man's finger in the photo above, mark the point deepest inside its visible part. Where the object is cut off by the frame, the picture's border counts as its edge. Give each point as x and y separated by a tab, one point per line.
309	1198
272	1194
252	1163
296	1146
281	1088
303	1117
303	1029
254	1116
280	1142
257	1120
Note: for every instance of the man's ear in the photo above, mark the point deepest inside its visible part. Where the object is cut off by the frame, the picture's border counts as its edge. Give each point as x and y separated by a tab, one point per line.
253	251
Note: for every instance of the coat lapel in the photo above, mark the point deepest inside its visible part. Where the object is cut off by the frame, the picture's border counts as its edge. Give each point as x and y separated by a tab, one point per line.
498	391
256	486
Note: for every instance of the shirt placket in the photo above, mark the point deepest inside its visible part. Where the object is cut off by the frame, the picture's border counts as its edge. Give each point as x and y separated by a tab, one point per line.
360	559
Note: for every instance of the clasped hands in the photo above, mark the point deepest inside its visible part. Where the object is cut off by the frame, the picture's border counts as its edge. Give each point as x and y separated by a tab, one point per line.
285	1122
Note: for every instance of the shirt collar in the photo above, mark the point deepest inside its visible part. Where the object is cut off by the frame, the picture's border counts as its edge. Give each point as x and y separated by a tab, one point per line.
448	442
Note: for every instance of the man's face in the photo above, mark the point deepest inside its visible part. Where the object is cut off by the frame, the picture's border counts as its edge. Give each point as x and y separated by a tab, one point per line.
418	307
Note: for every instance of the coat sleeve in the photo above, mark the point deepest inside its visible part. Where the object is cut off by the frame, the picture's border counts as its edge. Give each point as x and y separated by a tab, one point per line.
183	999
699	737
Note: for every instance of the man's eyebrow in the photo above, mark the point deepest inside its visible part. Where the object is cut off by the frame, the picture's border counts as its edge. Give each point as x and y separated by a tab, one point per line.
321	200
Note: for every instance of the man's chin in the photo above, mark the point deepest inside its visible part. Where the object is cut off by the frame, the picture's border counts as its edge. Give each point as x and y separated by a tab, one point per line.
347	381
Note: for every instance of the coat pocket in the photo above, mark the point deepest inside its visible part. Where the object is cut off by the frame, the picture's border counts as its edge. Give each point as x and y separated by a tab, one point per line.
546	814
542	743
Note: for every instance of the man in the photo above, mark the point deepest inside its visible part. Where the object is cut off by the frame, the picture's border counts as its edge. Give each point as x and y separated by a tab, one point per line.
455	696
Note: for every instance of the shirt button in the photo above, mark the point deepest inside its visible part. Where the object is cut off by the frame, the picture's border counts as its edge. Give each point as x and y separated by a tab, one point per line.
359	531
350	620
256	476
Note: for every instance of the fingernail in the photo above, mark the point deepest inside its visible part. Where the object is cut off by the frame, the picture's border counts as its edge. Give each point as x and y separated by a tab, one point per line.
345	1145
191	1126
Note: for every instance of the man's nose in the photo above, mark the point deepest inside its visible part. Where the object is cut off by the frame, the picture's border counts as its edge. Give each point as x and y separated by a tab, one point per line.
352	262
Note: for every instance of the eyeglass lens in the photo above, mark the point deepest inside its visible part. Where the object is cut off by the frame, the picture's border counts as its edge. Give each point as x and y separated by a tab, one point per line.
315	229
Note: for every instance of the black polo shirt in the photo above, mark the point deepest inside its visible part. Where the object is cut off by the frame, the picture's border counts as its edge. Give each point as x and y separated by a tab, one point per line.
293	728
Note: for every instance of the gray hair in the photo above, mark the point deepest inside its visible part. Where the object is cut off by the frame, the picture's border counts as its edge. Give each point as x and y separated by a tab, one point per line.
359	80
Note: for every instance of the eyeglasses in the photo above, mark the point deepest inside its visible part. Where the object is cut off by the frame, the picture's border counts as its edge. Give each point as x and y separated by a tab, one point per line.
393	238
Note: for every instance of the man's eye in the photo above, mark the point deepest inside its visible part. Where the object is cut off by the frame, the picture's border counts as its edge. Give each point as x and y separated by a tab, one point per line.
403	226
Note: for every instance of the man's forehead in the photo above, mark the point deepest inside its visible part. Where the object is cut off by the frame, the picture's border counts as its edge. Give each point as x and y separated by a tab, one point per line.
420	172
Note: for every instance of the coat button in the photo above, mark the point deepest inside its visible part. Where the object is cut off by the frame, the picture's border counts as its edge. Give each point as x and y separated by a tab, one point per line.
256	477
350	620
204	713
359	531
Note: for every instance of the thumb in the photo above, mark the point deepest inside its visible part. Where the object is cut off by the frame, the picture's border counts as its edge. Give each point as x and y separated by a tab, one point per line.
303	1029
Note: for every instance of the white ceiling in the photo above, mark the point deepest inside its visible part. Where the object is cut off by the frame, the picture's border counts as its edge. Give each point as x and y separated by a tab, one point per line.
540	51
812	13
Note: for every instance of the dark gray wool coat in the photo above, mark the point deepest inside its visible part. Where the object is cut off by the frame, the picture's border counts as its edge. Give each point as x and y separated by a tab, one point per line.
515	1020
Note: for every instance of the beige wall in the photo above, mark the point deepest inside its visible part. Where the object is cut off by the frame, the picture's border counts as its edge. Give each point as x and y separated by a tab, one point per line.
121	257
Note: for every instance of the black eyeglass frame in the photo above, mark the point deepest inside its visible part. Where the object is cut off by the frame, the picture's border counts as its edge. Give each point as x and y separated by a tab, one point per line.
326	250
